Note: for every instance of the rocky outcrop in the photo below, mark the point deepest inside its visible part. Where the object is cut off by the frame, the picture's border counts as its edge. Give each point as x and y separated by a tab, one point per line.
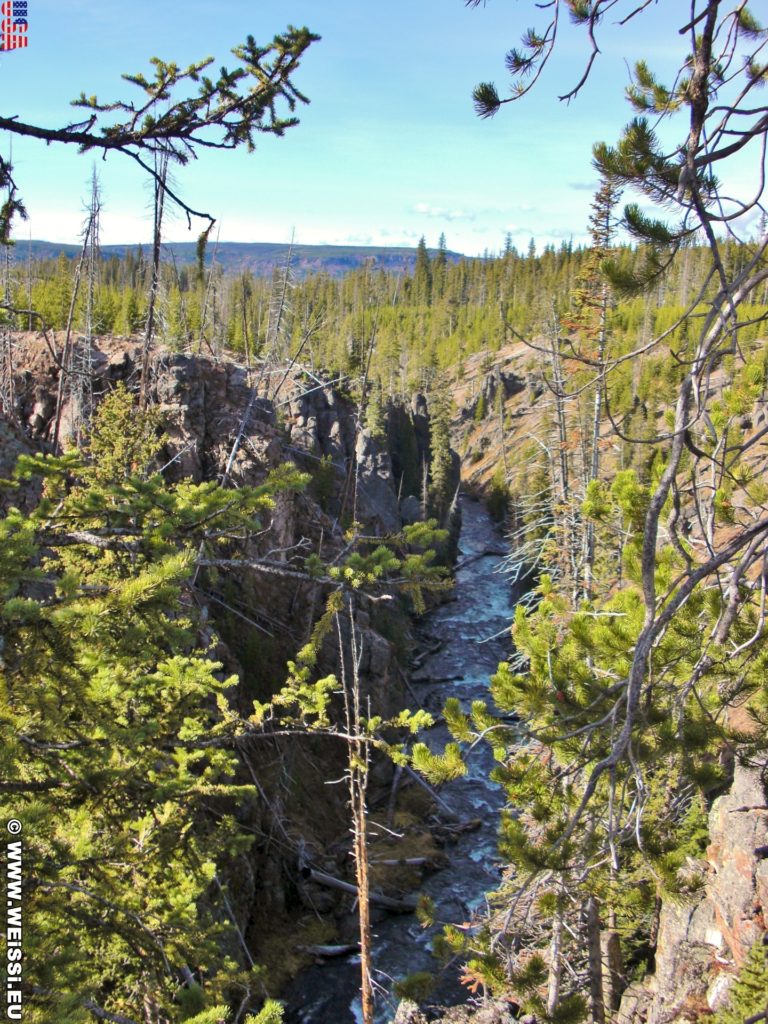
500	401
496	387
206	403
491	1012
376	483
702	943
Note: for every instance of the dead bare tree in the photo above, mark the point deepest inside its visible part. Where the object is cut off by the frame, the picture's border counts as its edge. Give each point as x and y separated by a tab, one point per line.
7	357
358	765
81	369
160	177
75	369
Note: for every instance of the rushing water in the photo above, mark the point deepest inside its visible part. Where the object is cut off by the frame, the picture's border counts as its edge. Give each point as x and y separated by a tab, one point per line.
481	609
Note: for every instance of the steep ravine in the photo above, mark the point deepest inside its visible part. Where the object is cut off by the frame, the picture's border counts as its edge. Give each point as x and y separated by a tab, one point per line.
701	944
472	630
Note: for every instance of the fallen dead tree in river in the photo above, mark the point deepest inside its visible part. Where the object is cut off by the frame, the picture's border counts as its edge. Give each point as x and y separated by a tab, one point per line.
407	905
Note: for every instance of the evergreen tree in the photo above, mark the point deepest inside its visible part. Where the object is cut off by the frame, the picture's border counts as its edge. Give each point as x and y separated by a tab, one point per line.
439	265
441	458
422	275
119	761
748	999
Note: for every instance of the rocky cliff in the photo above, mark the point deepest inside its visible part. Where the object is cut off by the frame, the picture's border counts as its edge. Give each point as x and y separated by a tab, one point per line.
703	941
220	420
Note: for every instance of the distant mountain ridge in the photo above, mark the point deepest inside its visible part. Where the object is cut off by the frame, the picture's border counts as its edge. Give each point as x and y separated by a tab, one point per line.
260	258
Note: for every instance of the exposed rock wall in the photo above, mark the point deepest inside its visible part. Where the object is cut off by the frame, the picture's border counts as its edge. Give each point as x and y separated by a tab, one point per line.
703	942
501	400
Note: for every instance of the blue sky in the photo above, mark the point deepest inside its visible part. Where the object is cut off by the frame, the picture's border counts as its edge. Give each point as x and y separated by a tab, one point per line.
389	148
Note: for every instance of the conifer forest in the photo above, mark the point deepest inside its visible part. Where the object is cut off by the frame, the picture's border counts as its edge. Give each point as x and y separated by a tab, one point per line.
383	637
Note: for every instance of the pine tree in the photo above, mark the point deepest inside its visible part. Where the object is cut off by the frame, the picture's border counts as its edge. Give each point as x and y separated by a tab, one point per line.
439	266
115	758
422	275
441	457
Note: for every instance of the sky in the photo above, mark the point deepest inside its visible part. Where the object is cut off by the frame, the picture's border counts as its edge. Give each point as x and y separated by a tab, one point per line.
389	148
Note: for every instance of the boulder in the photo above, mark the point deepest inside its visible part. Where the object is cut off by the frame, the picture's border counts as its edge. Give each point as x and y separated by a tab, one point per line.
410	509
409	1013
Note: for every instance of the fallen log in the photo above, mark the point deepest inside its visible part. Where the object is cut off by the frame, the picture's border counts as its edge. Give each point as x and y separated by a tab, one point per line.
403	906
435	862
396	861
428	652
486	553
432	792
424	680
329	951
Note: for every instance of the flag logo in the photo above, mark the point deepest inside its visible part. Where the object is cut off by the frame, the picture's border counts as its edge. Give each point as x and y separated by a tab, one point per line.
14	25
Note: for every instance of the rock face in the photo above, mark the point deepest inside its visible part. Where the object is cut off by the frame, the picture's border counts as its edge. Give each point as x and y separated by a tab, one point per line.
376	483
490	1012
498	398
206	403
703	943
494	383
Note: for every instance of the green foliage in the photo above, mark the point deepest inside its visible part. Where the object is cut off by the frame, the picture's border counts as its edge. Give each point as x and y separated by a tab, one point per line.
120	759
480	410
270	1013
498	497
438	768
119	444
441	461
749	994
324	482
471	304
374	413
417	986
575	661
426	911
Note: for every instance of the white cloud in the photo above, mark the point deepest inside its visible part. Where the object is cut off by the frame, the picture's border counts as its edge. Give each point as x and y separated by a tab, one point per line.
357	239
441	213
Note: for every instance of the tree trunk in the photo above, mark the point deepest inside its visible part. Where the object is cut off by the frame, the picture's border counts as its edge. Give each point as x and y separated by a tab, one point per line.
364	909
161	166
613	975
597	409
595	954
555	963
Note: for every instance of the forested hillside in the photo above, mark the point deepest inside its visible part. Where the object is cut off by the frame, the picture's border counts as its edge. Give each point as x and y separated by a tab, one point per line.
260	258
404	327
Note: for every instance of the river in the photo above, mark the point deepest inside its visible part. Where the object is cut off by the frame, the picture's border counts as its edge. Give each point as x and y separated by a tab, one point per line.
481	609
